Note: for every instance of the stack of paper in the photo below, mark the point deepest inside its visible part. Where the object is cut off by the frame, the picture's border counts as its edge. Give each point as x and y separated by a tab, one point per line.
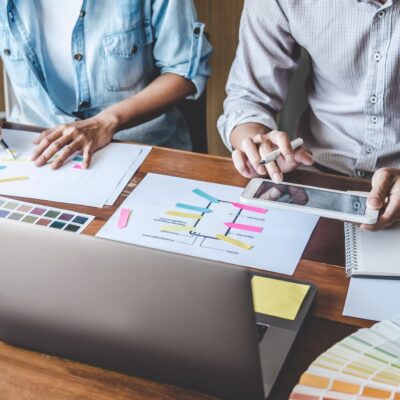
365	365
101	184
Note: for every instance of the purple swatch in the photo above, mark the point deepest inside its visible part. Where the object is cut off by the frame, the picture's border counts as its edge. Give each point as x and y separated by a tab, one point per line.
65	217
38	211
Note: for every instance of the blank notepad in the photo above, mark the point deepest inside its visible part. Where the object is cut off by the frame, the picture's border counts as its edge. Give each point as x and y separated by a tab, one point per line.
278	298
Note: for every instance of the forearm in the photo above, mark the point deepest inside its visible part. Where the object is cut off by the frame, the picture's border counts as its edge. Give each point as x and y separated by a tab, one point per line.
163	93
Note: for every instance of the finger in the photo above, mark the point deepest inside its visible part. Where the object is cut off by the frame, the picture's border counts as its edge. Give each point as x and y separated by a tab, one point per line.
252	152
51	150
45	142
271	194
382	181
240	162
299	195
304	156
68	151
87	157
389	216
282	141
44	133
273	170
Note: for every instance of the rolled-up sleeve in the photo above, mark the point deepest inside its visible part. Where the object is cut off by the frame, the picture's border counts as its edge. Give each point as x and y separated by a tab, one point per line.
180	44
266	57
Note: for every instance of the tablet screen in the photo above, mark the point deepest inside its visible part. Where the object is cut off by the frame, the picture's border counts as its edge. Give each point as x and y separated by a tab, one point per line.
313	198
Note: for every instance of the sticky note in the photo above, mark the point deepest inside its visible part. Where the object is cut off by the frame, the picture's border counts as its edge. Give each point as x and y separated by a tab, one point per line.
124	218
234	242
278	298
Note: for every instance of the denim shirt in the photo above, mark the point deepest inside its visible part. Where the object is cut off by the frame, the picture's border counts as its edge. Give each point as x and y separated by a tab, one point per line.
117	48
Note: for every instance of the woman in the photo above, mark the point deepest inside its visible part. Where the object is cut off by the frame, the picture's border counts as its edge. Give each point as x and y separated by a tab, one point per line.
92	70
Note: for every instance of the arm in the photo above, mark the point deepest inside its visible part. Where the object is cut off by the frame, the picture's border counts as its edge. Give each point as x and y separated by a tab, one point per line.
94	133
257	87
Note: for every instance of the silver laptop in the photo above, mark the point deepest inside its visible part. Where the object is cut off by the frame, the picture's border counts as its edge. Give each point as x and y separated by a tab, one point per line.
162	316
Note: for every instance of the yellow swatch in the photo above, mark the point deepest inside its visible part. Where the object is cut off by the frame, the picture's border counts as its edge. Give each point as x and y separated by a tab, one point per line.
184	215
234	242
13	179
6	160
177	228
278	298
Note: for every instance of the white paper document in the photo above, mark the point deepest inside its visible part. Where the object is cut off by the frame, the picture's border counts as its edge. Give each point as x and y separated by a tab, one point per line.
374	299
110	171
207	220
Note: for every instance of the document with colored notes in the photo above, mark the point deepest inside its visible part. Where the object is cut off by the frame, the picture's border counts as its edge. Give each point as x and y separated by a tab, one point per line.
207	220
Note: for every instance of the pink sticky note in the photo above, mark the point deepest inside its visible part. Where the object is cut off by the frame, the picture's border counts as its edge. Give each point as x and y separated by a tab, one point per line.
250	208
124	218
243	227
78	166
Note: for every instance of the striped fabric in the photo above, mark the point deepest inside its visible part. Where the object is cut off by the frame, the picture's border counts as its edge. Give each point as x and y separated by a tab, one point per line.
352	123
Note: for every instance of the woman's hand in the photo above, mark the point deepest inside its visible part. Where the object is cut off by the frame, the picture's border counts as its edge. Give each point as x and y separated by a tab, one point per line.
252	142
85	136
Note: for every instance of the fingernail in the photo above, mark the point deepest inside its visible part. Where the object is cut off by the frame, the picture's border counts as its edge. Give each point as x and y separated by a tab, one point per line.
374	203
277	177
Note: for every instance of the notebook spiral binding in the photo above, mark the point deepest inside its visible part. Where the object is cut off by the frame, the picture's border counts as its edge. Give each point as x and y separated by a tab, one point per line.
350	243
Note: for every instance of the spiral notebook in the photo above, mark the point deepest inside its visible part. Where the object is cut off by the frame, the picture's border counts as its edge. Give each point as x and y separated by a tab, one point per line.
372	253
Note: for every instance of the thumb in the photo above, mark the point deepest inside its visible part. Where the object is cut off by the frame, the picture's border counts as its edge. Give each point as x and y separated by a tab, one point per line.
382	182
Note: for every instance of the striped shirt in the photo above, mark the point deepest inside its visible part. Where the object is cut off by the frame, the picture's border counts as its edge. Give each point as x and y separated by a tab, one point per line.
352	122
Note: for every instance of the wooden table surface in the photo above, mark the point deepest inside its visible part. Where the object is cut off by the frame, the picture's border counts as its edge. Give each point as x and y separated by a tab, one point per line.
28	375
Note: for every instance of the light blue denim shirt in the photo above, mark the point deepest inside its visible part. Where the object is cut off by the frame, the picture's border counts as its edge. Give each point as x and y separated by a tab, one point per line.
117	48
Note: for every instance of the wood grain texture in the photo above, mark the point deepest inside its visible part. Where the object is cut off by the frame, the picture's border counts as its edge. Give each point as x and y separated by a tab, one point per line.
31	376
222	19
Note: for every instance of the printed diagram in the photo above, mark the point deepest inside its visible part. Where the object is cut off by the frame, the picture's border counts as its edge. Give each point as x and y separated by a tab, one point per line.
213	223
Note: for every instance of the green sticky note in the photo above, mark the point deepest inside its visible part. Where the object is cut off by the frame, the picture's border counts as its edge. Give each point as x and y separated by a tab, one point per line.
278	298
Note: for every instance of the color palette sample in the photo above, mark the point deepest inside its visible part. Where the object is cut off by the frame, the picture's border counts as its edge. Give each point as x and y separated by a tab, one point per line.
50	217
365	365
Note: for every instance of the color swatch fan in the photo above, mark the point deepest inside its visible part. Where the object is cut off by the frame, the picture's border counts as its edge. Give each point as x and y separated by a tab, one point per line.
365	365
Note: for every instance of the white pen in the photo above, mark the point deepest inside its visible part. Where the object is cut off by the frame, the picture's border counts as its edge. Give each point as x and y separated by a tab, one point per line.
274	155
4	145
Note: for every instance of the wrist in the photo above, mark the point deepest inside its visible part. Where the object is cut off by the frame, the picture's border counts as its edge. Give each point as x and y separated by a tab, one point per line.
109	121
246	131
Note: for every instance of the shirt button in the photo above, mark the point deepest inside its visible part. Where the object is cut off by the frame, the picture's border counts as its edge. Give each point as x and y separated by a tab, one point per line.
78	57
377	56
197	31
83	104
82	14
373	99
7	52
361	174
374	119
381	14
370	150
134	49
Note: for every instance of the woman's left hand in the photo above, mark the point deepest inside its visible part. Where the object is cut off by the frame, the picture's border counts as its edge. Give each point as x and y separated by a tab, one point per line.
86	136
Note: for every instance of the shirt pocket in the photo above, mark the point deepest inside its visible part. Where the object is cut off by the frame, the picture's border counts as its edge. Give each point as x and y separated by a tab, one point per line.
127	55
17	67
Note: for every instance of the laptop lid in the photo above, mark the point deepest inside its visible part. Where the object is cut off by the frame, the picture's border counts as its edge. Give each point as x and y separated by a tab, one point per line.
162	316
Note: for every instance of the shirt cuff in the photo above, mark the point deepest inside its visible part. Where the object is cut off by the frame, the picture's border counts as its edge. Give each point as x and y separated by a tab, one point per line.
199	82
228	122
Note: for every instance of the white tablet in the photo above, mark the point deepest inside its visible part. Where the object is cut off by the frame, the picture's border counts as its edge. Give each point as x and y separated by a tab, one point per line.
327	203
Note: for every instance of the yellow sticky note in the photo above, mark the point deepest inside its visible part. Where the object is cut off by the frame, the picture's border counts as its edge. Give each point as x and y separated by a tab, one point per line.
277	298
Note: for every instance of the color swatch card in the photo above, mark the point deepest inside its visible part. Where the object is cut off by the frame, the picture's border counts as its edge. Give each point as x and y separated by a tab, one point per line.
110	171
365	365
207	220
51	217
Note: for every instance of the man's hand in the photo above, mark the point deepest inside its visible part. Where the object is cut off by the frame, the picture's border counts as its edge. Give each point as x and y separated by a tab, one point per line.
85	136
252	142
384	196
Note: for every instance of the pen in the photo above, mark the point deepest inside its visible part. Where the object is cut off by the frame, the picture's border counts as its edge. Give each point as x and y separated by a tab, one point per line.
274	155
4	145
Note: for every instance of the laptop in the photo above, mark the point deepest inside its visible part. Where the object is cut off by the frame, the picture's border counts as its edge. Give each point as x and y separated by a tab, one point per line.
170	318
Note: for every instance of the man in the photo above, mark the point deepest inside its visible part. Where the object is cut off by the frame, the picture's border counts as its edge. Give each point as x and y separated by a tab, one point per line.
352	124
96	69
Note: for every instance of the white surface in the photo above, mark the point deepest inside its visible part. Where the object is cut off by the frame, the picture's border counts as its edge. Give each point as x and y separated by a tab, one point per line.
374	299
110	170
278	248
57	21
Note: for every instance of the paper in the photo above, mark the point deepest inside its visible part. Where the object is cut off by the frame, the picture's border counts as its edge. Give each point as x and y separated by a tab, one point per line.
111	169
161	222
374	299
123	220
278	298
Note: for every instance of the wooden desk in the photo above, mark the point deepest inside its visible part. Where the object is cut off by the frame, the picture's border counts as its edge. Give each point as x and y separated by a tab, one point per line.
28	375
